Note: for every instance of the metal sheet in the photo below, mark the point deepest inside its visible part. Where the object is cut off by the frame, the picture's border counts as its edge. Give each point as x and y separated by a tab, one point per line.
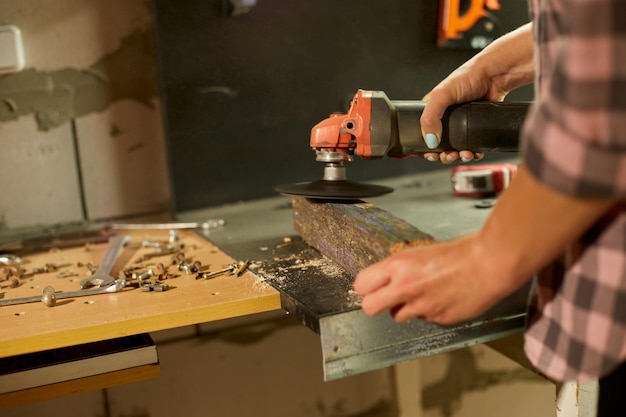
353	342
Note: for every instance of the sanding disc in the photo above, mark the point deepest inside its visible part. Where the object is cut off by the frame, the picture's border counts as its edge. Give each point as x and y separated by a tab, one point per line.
333	190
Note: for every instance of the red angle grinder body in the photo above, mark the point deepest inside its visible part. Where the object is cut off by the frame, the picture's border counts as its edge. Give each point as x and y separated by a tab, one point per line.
375	127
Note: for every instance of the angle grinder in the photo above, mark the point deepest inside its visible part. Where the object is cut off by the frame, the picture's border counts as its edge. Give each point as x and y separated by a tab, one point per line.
375	127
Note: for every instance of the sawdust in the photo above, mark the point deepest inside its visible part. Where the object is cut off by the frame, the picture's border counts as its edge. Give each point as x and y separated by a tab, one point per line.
295	268
260	282
278	276
324	264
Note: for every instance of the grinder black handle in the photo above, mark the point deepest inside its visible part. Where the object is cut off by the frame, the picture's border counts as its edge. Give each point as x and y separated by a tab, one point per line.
478	126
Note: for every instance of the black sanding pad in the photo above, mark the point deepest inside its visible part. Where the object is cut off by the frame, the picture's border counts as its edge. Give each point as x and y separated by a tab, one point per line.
333	190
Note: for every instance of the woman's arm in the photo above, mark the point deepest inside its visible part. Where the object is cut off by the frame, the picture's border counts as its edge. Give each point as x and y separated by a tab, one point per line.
501	67
457	280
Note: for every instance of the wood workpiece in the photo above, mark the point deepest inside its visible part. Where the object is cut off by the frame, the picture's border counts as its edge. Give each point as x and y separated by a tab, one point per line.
354	235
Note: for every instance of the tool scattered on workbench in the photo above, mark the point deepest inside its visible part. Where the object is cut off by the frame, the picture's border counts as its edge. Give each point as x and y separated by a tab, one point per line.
375	127
8	259
145	273
102	275
11	269
49	297
154	287
205	225
234	269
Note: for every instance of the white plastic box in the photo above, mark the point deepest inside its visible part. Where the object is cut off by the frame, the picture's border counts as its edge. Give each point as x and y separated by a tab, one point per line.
11	50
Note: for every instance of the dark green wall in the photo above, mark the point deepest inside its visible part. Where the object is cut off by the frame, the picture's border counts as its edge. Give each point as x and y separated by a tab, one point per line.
241	93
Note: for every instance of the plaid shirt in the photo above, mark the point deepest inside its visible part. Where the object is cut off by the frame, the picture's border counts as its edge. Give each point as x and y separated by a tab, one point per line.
574	141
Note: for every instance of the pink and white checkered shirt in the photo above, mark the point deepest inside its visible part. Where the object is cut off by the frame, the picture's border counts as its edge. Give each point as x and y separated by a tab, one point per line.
574	141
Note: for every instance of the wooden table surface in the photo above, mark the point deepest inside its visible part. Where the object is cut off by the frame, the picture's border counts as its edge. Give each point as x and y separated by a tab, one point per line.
34	327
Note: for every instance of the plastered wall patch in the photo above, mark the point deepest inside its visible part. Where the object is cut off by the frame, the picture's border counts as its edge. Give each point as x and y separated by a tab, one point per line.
11	50
56	97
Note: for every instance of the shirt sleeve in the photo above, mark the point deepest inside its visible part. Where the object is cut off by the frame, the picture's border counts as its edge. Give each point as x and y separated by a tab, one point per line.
574	138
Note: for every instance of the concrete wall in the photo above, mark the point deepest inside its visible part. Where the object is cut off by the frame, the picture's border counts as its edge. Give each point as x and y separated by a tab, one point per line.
81	127
82	139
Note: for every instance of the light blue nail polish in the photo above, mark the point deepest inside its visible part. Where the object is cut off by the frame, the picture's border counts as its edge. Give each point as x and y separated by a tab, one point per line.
431	141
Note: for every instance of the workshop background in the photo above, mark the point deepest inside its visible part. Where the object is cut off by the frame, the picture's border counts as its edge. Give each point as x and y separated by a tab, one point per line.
235	88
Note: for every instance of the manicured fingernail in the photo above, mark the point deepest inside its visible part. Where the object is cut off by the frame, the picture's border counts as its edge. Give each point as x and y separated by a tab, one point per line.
465	159
431	141
450	158
432	158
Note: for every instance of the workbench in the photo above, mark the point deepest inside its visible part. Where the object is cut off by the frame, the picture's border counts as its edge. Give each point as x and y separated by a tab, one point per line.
34	327
284	273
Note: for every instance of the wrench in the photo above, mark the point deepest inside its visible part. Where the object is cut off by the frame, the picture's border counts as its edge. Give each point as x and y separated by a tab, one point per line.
102	275
50	297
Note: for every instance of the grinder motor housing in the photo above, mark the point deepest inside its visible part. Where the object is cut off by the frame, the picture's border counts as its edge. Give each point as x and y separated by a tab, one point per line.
375	127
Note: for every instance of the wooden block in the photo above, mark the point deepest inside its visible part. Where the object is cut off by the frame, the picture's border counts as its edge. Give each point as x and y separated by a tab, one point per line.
354	235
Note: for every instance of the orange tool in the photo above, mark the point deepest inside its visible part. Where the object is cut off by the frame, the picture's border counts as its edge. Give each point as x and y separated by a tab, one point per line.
375	127
467	23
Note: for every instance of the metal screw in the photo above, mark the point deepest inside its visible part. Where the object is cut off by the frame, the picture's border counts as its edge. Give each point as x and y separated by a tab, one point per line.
160	269
9	259
236	269
189	269
178	259
151	244
145	275
154	287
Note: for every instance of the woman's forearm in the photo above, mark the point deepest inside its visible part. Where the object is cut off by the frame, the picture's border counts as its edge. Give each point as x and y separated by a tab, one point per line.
509	60
532	224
